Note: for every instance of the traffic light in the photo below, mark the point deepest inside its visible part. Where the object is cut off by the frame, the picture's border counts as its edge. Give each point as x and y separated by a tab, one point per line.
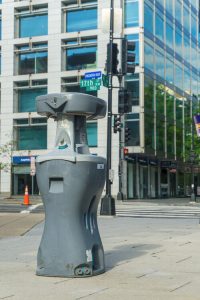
117	123
127	134
124	101
128	57
115	61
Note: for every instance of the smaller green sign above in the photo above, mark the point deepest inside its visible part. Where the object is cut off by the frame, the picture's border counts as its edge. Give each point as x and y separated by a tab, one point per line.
105	80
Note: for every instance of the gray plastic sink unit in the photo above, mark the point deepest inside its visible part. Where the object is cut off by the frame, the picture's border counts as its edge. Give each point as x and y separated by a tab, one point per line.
71	104
70	181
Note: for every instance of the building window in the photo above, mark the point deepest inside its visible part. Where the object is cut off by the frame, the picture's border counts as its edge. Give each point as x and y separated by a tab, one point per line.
30	134
92	134
82	19
169	70
32	59
160	64
148	18
131	13
178	41
25	94
178	11
133	123
186	18
169	35
194	26
159	27
80	54
72	84
149	108
169	7
32	21
178	76
149	57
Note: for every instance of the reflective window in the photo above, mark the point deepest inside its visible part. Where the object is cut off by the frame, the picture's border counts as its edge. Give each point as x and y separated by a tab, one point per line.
178	78
159	30
178	11
148	18
169	71
160	64
169	6
148	113
160	2
194	26
178	42
92	134
83	19
186	52
148	57
194	60
131	13
32	61
187	126
186	18
33	25
31	136
160	124
169	35
170	123
187	86
194	85
27	98
81	58
179	126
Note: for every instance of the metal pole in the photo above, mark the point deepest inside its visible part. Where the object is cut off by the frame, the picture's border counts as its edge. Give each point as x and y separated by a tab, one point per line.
108	202
120	168
32	192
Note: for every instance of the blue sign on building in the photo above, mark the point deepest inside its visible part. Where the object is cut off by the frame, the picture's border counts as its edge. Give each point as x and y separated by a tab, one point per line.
19	160
93	75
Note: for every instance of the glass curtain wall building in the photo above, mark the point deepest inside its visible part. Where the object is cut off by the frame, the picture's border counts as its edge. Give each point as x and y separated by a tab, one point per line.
170	88
54	43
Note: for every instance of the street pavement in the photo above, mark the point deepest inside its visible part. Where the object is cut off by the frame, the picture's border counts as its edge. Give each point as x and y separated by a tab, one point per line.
147	258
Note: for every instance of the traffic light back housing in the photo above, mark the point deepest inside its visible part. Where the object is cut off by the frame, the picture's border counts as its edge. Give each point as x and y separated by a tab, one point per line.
115	61
124	101
128	57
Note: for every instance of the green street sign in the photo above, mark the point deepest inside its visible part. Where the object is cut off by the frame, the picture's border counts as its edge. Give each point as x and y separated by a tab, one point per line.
90	83
105	80
92	88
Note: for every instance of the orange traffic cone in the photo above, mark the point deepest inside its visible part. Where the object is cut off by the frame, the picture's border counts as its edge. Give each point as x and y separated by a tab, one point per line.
26	196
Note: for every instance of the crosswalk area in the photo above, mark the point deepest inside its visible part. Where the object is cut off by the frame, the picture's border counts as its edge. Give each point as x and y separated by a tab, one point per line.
168	212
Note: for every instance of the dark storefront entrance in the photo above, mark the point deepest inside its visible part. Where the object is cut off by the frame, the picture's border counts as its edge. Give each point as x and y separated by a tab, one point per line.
21	176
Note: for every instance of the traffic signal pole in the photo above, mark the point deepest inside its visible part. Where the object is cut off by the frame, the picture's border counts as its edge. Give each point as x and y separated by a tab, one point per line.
108	202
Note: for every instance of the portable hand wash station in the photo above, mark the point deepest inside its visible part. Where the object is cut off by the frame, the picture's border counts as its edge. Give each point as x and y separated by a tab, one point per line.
70	181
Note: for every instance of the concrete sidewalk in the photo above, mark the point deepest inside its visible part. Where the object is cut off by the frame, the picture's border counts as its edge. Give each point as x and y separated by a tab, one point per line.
146	259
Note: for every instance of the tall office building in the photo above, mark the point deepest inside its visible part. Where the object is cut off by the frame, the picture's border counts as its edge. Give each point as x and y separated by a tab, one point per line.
48	46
